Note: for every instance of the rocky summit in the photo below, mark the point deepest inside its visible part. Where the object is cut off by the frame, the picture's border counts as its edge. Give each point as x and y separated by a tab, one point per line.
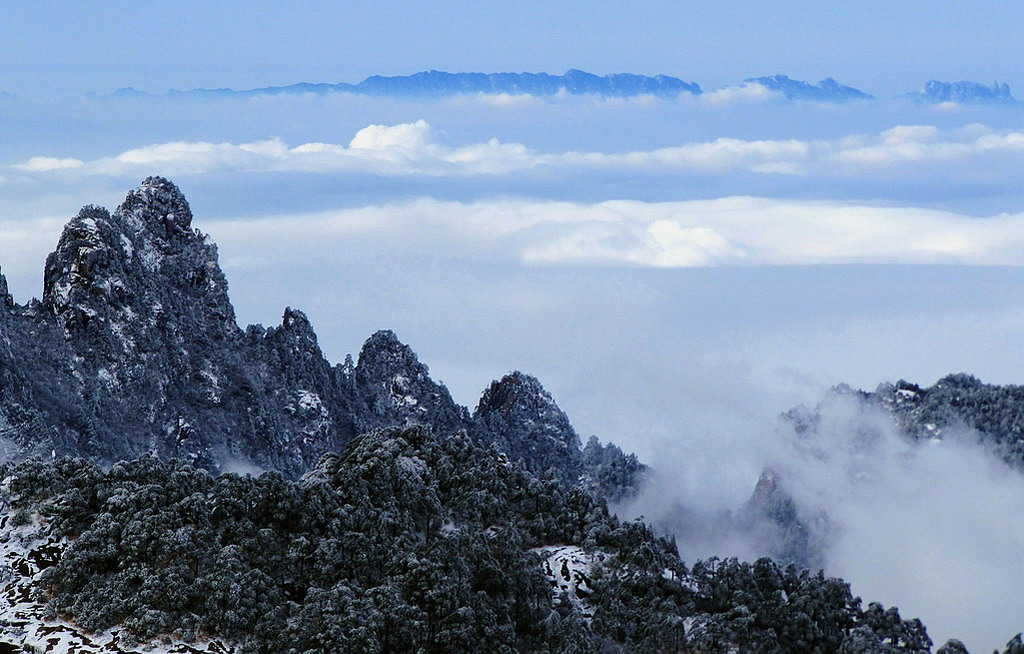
964	92
134	349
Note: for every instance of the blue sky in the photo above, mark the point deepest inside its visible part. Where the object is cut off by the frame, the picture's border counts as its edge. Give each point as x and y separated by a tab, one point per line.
676	271
885	47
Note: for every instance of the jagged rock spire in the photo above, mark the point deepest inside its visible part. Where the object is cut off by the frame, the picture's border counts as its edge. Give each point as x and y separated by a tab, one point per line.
518	391
83	262
6	301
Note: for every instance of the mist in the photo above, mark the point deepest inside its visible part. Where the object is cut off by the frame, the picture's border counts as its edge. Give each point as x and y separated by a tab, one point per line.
927	526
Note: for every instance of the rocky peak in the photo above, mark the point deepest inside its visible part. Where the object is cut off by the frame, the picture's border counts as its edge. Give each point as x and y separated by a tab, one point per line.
296	334
384	350
160	207
141	265
518	392
965	93
767	487
772	517
523	419
827	90
397	388
86	269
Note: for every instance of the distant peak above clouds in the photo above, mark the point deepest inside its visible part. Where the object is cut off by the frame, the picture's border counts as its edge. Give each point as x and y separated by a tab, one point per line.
827	90
963	92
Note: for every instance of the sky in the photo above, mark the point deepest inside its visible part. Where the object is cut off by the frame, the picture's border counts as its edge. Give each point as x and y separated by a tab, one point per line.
677	272
890	48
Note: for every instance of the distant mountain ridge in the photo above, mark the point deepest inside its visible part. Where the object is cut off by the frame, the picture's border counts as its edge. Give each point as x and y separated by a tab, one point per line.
439	84
435	83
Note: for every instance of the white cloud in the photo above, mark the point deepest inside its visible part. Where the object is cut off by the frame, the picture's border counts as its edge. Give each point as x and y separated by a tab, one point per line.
744	93
721	232
418	149
188	158
408	136
908	145
728	231
45	164
504	100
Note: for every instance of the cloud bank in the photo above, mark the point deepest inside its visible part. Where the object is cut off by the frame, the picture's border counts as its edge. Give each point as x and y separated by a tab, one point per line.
722	232
416	148
731	231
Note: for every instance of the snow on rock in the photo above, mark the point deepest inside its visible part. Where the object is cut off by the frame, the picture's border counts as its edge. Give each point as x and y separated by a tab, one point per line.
906	394
569	569
309	401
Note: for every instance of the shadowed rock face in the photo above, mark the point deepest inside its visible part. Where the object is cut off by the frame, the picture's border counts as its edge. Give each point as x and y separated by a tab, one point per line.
134	348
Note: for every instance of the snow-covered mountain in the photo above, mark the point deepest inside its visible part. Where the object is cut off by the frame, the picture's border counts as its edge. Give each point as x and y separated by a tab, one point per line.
134	349
393	519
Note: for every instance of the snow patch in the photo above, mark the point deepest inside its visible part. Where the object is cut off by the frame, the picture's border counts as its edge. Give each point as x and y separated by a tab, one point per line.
307	403
127	246
108	378
413	466
569	569
90	225
212	384
400	392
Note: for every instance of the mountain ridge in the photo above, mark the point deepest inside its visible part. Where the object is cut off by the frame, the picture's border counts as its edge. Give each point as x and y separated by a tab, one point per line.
435	83
134	349
439	84
827	90
391	514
